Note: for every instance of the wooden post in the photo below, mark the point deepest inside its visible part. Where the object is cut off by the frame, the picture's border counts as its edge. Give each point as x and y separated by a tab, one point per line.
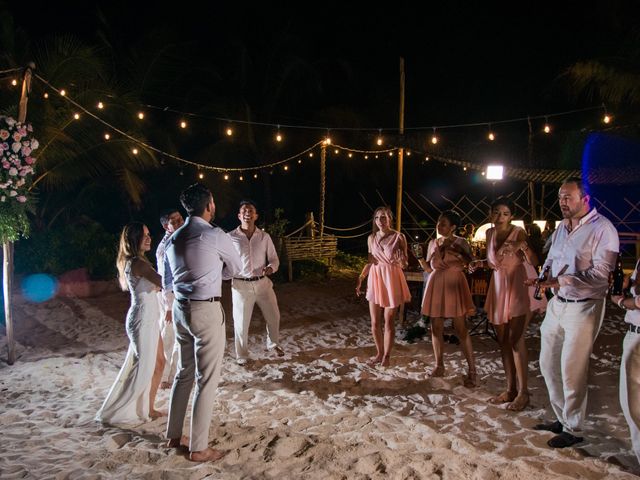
400	151
323	176
7	246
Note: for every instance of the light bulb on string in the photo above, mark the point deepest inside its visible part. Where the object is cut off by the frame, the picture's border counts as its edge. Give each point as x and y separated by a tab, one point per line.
229	131
63	92
141	115
391	154
299	161
181	172
14	82
366	157
134	151
255	175
547	127
201	175
278	135
606	117
350	154
46	95
100	105
241	178
408	153
183	124
76	116
107	136
310	154
434	137
336	151
379	141
491	136
286	167
226	176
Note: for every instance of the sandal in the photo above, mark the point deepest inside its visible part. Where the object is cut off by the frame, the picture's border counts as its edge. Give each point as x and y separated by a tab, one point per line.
504	397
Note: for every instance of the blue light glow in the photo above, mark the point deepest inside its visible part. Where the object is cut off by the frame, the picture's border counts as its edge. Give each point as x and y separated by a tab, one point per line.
39	287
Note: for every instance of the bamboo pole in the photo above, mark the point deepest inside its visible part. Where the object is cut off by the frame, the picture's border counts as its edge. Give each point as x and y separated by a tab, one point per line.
7	246
400	151
323	176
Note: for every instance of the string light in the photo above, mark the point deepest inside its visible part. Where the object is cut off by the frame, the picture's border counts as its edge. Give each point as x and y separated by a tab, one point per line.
241	178
379	141
107	136
286	167
63	92
134	151
336	151
229	131
278	135
366	157
299	161
350	155
255	175
201	176
183	124
547	127
391	154
408	153
141	115
76	116
491	136
226	176
100	105
14	82
311	154
327	140
434	138
46	95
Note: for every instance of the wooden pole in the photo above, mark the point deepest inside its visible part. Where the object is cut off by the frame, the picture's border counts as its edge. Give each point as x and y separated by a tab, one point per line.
400	151
532	188
7	246
323	176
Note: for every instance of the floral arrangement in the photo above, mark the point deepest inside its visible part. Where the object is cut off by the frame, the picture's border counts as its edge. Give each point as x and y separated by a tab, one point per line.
16	176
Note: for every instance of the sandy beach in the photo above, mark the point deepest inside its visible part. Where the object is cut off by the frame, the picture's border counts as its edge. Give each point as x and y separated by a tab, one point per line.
317	413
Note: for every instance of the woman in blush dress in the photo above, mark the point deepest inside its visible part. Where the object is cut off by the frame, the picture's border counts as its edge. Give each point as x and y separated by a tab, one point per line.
509	302
132	396
447	293
387	287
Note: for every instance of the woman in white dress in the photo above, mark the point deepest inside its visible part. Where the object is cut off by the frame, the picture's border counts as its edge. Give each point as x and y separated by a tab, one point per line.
132	396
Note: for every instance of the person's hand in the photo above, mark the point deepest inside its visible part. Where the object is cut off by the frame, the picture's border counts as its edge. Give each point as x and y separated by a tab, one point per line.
267	271
616	299
359	287
474	265
531	282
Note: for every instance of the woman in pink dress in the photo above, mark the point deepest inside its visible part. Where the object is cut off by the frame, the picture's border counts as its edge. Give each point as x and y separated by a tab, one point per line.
508	303
387	287
447	293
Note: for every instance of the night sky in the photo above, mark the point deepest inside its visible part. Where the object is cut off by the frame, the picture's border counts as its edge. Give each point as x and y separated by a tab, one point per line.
466	62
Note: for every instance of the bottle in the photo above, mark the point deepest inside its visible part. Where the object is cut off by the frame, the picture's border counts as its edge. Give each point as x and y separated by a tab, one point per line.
618	277
537	294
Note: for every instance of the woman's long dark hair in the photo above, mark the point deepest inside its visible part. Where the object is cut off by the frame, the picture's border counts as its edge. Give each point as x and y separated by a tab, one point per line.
130	241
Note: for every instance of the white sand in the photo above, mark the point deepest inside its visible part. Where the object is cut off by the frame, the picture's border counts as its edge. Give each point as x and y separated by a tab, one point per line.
319	413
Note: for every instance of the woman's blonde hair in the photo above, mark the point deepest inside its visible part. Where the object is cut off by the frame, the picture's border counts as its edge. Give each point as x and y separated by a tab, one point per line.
130	241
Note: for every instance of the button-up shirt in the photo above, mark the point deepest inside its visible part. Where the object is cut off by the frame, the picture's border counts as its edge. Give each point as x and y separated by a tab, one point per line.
166	295
589	251
633	316
198	257
257	253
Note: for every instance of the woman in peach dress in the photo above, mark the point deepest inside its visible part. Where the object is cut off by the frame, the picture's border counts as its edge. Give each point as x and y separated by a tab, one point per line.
447	293
509	302
387	287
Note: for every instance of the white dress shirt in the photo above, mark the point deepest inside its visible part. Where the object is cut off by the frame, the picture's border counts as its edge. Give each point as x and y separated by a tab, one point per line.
257	253
166	294
589	251
198	257
633	316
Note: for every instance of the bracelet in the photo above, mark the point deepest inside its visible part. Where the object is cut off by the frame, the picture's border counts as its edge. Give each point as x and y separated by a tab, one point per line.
621	303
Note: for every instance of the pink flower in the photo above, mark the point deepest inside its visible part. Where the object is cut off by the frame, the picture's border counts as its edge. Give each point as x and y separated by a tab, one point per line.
6	165
22	199
26	151
30	160
4	134
16	147
13	171
22	131
16	136
4	146
34	144
29	128
23	171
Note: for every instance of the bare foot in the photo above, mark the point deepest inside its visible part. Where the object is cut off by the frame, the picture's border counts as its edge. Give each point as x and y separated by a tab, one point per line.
519	403
437	372
153	414
208	455
470	380
166	385
182	442
504	397
374	361
385	361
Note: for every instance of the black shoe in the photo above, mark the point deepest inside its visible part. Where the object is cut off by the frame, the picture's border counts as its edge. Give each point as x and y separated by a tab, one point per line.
555	427
565	439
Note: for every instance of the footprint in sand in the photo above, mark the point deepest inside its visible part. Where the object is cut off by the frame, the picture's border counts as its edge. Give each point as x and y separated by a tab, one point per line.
117	441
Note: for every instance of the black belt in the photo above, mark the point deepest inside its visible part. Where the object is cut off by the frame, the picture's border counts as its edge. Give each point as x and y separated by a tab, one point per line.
634	328
250	279
568	300
187	300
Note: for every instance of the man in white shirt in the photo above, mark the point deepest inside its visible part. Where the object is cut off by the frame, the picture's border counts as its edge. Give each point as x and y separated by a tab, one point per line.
198	257
170	220
583	251
253	285
630	361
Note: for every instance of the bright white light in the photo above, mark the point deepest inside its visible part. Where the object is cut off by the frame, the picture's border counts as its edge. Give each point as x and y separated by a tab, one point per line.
495	172
480	234
541	223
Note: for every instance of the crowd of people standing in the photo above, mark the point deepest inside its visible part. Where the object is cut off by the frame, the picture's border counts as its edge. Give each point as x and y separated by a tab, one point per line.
179	341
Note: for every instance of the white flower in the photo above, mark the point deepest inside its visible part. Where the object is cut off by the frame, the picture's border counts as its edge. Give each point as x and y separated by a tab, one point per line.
3	198
13	193
16	147
34	144
13	171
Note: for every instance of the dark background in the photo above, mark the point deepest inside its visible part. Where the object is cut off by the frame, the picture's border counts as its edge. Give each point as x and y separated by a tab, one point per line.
465	62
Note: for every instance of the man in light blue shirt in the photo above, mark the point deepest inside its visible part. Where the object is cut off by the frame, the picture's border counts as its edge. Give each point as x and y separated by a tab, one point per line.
198	257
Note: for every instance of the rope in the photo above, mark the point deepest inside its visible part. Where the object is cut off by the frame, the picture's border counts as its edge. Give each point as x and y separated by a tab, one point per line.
347	229
307	223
